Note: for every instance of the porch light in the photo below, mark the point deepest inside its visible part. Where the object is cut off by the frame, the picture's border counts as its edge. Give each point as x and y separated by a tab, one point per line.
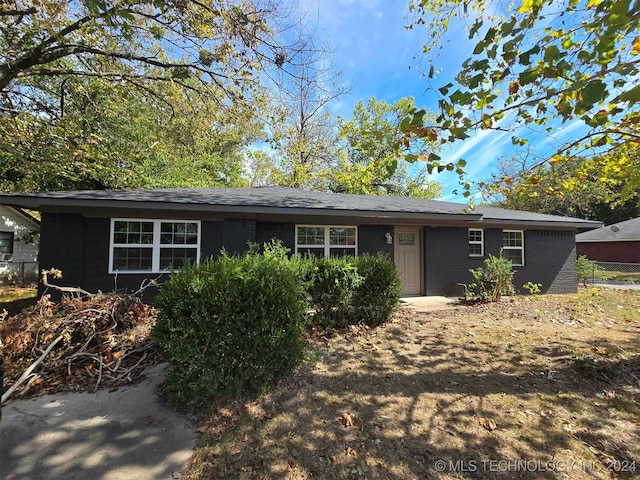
389	238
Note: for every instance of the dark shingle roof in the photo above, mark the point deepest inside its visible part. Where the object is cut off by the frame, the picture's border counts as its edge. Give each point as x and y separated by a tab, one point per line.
623	231
285	201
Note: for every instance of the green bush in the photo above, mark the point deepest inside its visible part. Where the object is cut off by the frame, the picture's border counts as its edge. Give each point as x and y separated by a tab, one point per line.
493	280
586	269
229	326
533	288
234	324
377	297
332	284
346	291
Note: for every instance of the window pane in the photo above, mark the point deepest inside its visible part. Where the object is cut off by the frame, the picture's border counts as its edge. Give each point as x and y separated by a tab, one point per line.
512	239
342	236
342	252
191	238
313	252
515	255
146	238
310	235
179	233
132	258
475	249
176	257
406	239
6	242
475	235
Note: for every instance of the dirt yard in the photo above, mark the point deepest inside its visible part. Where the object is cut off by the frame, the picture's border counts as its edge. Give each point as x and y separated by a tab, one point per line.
535	387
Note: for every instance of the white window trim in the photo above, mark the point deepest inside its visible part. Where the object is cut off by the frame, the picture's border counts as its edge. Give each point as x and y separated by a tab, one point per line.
481	242
155	245
326	246
521	232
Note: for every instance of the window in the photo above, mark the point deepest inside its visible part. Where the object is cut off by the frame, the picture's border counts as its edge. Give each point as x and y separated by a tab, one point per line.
152	245
325	241
476	242
6	246
513	246
405	238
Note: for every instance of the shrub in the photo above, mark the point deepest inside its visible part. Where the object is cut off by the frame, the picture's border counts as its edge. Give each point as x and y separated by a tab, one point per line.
229	326
332	284
377	297
586	269
533	288
492	281
347	291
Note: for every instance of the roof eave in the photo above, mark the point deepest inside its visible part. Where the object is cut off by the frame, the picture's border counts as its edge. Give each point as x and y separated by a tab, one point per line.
580	225
606	240
40	202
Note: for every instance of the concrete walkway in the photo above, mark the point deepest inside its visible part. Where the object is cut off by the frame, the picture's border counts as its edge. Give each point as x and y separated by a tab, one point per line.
429	304
126	434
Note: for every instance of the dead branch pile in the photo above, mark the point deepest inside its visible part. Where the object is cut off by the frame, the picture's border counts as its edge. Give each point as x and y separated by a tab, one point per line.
81	343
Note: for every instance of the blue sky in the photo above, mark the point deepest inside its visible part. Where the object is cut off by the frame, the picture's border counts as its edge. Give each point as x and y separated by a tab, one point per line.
377	57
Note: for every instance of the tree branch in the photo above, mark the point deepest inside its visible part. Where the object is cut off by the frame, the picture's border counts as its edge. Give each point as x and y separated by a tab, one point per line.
18	13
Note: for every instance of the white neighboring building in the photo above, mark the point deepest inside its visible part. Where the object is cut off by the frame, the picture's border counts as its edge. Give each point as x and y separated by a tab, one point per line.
19	241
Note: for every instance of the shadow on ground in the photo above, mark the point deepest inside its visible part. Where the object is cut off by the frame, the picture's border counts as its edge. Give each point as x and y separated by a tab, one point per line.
122	434
419	391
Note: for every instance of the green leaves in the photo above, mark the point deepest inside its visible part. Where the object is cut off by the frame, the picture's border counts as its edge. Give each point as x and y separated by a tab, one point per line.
594	92
539	67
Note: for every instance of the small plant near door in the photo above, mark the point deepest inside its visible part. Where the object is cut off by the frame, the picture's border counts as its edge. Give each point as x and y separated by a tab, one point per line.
491	281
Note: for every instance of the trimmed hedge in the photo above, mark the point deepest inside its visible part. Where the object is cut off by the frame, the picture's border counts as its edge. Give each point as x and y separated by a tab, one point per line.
235	324
331	288
377	297
229	326
346	291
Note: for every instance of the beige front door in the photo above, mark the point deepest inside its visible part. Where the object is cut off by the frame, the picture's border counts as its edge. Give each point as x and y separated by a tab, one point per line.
407	257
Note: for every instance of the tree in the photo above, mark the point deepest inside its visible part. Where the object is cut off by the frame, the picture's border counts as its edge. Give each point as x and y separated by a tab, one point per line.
368	162
572	188
97	135
97	94
138	42
540	64
301	129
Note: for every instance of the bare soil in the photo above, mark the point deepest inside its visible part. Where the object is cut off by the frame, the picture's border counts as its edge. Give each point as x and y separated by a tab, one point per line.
531	387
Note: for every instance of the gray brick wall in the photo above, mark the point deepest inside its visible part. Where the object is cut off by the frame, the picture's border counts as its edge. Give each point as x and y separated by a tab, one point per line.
446	260
371	239
549	259
61	247
80	247
211	238
286	232
237	233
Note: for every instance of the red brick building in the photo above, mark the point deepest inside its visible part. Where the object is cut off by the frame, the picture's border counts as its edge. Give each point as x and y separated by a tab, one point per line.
614	243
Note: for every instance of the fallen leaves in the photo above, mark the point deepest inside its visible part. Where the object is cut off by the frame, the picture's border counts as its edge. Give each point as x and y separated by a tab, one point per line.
488	423
347	420
105	343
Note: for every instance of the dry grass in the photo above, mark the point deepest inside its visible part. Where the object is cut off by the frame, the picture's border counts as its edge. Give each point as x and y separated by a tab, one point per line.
559	376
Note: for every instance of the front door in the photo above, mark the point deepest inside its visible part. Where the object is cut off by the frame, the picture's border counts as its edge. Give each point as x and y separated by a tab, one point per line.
407	257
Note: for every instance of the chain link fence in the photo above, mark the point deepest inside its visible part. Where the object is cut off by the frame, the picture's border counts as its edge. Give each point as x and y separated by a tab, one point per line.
616	273
18	273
